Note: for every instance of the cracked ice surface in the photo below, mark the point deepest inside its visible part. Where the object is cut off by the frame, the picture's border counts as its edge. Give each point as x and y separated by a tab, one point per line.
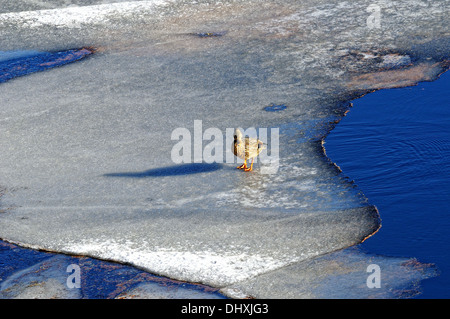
85	159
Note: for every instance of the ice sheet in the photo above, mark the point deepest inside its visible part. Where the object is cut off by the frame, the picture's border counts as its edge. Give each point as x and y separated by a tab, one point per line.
78	143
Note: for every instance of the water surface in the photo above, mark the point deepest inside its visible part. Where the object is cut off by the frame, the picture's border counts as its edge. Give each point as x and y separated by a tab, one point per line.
395	145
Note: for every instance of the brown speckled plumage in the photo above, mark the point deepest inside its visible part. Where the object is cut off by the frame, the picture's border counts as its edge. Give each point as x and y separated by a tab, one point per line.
246	148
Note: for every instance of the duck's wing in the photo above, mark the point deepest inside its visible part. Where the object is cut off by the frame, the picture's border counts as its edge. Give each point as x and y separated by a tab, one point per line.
240	149
253	147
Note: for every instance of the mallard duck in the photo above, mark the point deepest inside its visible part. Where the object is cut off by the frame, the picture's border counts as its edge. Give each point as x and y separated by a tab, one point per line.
247	148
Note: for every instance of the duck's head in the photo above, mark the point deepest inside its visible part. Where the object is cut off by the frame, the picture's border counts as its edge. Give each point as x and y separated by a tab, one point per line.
237	134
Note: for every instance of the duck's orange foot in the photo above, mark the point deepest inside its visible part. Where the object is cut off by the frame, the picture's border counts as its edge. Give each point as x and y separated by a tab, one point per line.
248	169
243	166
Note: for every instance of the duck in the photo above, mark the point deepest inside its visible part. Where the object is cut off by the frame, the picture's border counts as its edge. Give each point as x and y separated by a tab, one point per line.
247	148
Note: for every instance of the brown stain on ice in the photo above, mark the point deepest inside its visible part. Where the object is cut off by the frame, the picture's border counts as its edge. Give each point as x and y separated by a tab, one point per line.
398	78
74	56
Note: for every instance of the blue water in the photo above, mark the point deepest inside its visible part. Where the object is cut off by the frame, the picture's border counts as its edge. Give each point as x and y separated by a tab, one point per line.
19	63
395	145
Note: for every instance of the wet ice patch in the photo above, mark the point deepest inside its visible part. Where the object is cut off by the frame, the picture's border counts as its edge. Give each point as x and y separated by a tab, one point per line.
20	63
209	34
160	291
346	274
275	107
395	61
44	280
374	60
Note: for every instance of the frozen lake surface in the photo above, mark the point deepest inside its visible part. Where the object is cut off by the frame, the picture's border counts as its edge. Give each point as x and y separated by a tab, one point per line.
86	161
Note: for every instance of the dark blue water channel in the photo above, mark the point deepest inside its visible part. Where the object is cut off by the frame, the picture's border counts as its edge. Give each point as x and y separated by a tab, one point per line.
19	63
395	145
